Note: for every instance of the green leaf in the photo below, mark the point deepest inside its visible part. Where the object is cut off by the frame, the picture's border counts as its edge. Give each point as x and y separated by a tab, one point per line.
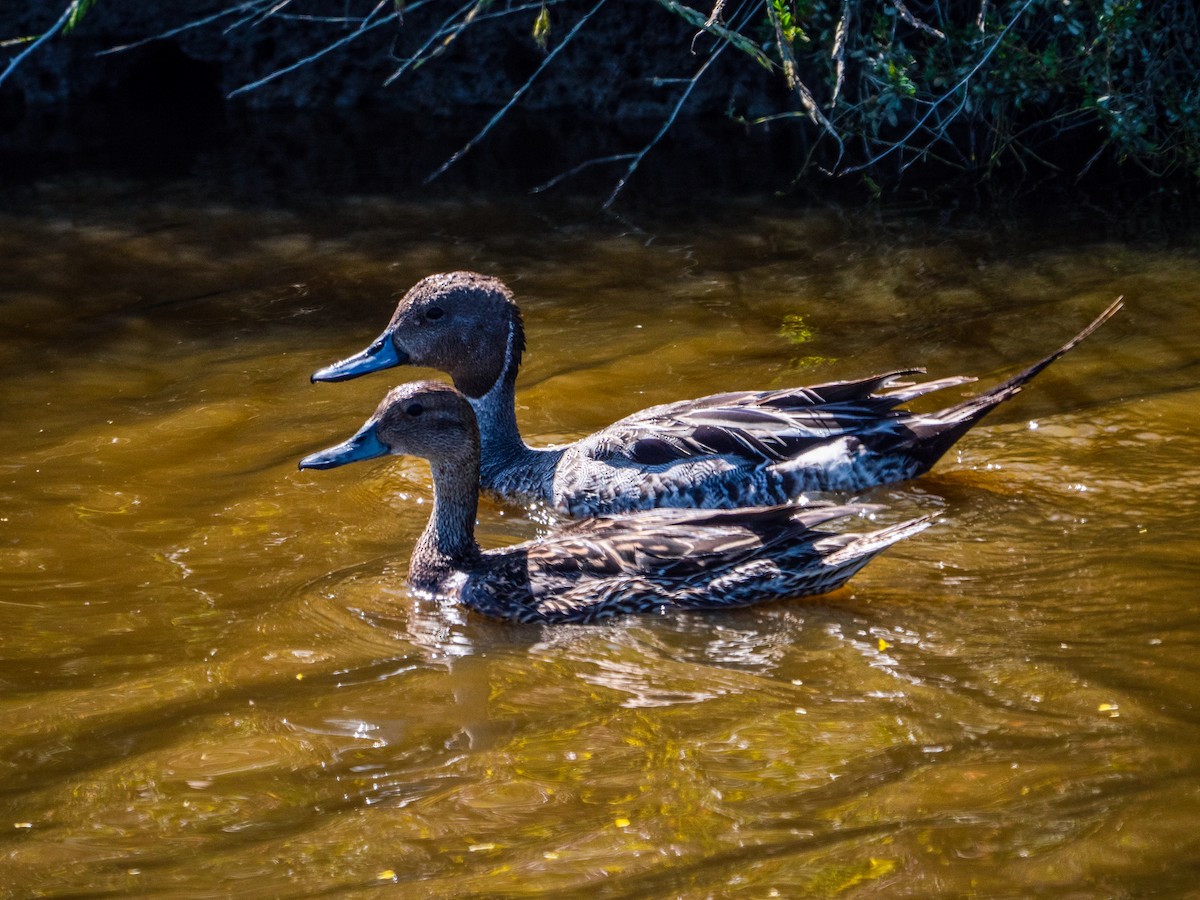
79	10
541	27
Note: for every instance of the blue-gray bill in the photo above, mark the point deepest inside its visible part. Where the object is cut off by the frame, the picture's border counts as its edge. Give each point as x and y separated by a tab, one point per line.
364	445
380	355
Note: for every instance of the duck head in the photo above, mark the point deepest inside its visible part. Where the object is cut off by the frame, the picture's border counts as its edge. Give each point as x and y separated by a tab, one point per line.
425	418
463	323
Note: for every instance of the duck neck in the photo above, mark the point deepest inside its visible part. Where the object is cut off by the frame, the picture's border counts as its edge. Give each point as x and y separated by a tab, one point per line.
448	542
501	446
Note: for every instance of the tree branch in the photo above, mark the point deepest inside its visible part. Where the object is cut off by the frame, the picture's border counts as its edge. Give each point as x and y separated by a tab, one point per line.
45	36
466	148
366	25
182	28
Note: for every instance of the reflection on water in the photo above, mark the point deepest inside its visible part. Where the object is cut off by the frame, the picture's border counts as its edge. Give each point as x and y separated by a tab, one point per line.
215	679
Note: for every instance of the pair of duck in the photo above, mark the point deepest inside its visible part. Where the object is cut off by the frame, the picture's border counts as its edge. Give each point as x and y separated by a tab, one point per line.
689	505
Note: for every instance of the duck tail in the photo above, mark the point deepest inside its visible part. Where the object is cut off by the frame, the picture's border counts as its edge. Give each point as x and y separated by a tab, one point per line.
862	548
939	431
844	555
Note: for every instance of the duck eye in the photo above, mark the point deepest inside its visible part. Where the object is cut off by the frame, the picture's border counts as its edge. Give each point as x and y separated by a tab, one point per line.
434	312
414	409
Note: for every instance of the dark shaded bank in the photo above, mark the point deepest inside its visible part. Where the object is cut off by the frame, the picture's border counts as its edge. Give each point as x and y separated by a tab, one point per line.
314	151
156	104
294	157
171	106
613	69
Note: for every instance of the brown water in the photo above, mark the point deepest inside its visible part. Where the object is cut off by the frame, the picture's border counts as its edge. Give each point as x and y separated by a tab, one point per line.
215	683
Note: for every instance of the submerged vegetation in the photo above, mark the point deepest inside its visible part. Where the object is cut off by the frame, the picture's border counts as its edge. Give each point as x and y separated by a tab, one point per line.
877	89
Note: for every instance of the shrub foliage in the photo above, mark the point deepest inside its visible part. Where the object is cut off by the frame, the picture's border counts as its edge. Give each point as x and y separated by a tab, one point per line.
880	86
985	84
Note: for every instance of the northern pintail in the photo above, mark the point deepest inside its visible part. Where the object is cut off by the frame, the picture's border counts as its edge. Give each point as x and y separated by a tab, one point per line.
718	452
586	571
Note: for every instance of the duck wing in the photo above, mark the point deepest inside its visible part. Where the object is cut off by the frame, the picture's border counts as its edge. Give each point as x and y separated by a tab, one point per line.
676	544
758	427
674	559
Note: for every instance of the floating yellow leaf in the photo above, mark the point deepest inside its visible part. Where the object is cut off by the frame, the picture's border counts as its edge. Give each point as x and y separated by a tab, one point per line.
881	867
387	875
883	645
621	822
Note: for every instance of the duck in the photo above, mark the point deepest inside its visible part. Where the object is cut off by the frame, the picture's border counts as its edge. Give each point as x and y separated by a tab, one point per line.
743	448
590	570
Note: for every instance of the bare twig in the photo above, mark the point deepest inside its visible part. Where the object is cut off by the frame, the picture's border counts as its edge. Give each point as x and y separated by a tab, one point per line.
416	58
915	22
233	10
670	120
470	12
516	96
45	36
658	81
563	176
451	35
714	17
255	10
510	8
788	58
839	52
366	26
727	35
267	13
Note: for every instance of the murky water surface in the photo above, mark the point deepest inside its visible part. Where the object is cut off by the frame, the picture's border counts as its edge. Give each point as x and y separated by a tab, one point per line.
215	682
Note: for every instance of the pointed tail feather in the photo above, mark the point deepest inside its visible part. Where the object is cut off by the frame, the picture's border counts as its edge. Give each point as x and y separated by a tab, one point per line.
976	407
866	547
939	431
854	551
